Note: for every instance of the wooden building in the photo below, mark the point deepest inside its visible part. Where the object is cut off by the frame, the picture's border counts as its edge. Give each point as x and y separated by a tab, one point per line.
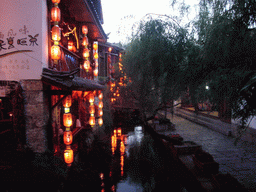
50	56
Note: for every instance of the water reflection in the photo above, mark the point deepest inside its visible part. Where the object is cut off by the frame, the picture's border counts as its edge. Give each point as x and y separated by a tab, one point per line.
138	165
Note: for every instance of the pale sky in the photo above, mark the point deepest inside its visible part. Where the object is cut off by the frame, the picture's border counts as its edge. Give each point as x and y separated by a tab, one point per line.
115	14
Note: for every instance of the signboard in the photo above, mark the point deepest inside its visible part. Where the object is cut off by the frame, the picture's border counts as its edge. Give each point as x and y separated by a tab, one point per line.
23	39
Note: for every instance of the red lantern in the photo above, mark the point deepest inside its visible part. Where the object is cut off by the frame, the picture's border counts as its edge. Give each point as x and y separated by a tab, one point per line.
55	14
96	55
67	102
85	41
56	1
67	137
68	155
67	119
100	104
91	109
100	121
84	29
70	45
119	132
100	96
92	120
86	64
86	53
91	98
95	46
55	52
56	35
95	72
100	112
96	63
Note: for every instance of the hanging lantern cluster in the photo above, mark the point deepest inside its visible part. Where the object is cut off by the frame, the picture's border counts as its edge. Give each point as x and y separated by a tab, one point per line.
95	57
110	67
91	109
67	136
86	51
100	111
56	33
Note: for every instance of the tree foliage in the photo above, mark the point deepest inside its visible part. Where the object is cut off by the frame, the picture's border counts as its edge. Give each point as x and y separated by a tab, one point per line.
154	61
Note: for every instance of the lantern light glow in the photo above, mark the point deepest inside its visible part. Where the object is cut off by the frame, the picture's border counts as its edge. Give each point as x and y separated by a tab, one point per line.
55	52
92	120
68	155
100	104
67	137
55	14
84	29
67	119
56	35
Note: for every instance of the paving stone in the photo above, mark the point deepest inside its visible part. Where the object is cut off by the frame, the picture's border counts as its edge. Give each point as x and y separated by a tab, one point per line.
239	160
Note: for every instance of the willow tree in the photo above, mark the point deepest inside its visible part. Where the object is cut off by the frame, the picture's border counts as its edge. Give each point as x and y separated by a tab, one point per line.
154	62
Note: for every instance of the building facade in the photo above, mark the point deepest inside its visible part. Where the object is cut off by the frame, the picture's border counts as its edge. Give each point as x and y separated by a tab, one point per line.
50	61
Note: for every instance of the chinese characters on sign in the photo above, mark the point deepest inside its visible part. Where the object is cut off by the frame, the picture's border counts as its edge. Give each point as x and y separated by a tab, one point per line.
11	41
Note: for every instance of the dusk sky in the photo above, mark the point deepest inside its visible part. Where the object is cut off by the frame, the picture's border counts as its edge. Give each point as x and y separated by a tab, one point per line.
121	14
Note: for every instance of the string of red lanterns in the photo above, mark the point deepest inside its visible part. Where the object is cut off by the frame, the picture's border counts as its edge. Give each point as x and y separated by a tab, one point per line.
91	109
56	32
95	56
67	136
100	111
86	52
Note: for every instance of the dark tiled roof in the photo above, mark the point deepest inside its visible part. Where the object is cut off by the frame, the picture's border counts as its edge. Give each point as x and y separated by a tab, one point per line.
67	80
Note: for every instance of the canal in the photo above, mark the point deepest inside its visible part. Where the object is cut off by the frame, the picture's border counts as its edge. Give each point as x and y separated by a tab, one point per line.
137	164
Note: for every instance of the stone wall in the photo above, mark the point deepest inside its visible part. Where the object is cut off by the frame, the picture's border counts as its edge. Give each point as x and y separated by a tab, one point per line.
36	114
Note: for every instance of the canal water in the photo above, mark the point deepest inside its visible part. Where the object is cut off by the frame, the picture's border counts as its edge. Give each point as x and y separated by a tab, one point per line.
137	165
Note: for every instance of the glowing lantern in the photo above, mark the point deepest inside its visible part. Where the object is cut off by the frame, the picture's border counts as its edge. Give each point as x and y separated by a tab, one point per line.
109	49
96	63
86	64
67	102
109	58
56	35
95	46
55	1
100	96
96	55
67	137
92	120
86	53
100	121
55	14
68	155
91	98
119	132
100	112
84	29
85	41
55	52
70	45
100	104
95	72
122	147
67	119
91	109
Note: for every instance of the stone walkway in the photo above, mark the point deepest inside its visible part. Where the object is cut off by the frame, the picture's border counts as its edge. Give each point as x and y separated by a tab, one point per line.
239	161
